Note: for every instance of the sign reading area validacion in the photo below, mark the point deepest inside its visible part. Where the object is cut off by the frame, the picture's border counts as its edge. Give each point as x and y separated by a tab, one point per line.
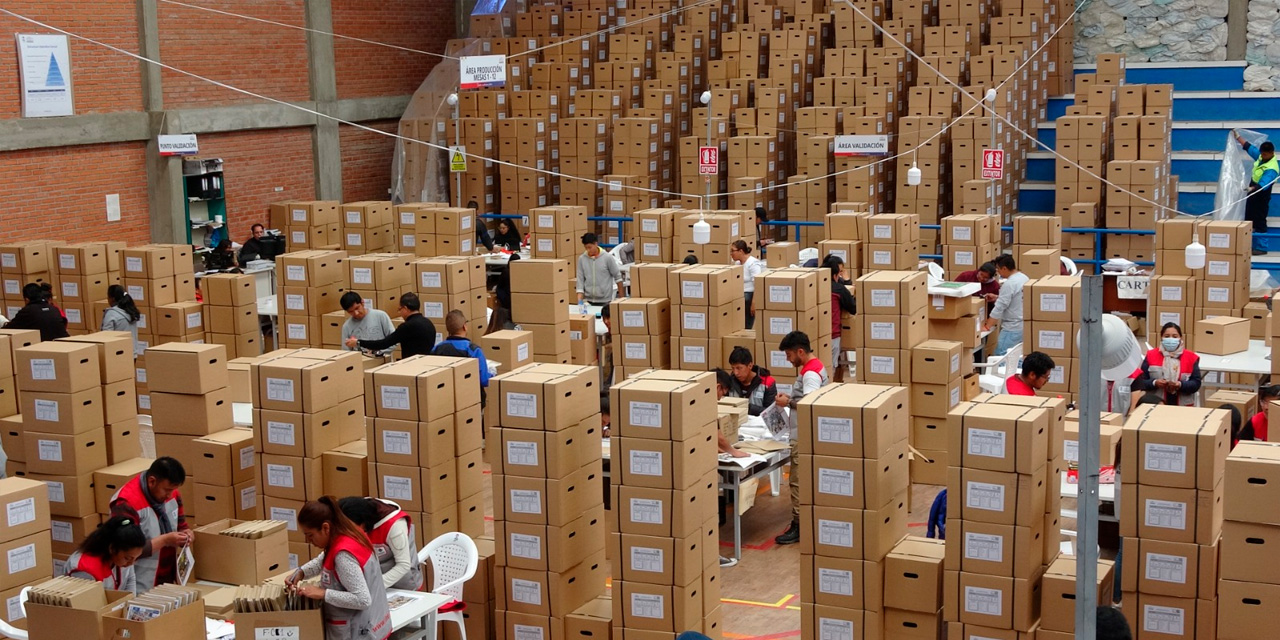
482	72
851	146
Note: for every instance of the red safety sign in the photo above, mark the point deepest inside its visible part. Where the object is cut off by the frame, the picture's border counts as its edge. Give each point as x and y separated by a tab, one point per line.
708	161
992	164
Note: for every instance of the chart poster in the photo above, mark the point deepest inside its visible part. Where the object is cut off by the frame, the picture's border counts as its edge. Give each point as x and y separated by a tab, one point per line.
44	65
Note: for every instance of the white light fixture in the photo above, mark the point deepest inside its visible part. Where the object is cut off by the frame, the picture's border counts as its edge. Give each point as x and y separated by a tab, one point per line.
706	97
991	95
914	176
1195	252
701	230
1121	354
452	99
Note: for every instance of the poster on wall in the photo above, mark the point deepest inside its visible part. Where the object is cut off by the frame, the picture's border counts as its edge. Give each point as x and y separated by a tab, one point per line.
44	65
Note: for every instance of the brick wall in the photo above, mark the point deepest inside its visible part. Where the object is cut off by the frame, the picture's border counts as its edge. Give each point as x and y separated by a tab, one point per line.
423	25
101	80
263	58
254	164
61	193
366	161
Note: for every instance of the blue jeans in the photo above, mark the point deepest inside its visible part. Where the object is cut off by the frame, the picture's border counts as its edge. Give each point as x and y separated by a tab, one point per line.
1006	341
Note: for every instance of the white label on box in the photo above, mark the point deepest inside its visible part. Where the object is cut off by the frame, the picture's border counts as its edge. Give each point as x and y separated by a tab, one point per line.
836	629
961	233
277	633
835	533
835	482
43	369
964	258
526	591
194	320
299	215
522	453
529	632
280	389
884	331
1219	268
644	511
433	310
397	488
693	289
980	546
522	405
355	239
397	443
636	350
46	410
293	559
651	249
525	546
1219	294
986	442
61	532
982	495
1165	458
693	321
780	294
71	290
647	605
633	319
549	221
778	360
646	559
546	244
431	280
246	457
881	257
299	237
1166	568
248	498
136	292
57	491
295	272
144	401
406	219
295	302
522	349
1071	450
526	501
884	297
780	326
1166	514
695	355
645	414
986	602
646	463
835	581
884	365
141	374
353	217
1052	339
21	511
130	264
1171	294
835	430
10	260
280	475
297	331
882	231
49	450
12	288
464	222
287	516
280	433
1220	240
955	398
395	398
22	559
649	226
1167	620
1055	302
955	363
362	275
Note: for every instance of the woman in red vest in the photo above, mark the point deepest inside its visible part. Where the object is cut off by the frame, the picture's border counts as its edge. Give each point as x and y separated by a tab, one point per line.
355	602
108	554
1171	369
391	531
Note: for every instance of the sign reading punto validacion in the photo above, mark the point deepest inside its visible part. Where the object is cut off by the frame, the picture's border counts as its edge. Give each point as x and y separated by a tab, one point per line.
482	72
862	145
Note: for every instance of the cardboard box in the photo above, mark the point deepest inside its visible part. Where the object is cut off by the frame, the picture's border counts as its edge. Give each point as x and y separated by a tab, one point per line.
648	408
256	559
307	624
57	367
1175	618
184	622
28	559
542	454
1243	609
413	444
892	292
509	349
59	454
72	496
853	420
186	368
999	437
115	353
658	512
913	575
308	386
225	458
1177	446
27	504
195	415
665	464
346	470
290	477
998	549
855	483
1253	474
308	434
1174	569
936	361
1222	335
49	621
1058	607
216	502
997	602
996	497
63	413
1173	515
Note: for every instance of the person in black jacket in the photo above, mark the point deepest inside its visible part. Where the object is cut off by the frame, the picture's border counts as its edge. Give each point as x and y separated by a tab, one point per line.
508	235
39	315
417	336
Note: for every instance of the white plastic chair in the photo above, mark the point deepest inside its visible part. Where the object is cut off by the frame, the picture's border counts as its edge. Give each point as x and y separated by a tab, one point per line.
808	254
997	369
9	630
1070	264
453	558
936	274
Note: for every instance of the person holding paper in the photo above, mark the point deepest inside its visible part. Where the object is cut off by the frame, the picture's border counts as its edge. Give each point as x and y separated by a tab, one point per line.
813	376
355	600
363	323
152	500
391	533
108	554
1171	369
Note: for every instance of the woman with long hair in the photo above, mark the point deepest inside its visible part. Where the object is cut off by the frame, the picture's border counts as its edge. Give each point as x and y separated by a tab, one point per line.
507	235
355	601
122	314
390	531
107	555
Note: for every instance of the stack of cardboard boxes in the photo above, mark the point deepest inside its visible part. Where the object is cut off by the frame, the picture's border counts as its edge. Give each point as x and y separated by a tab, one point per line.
308	225
447	283
665	565
405	222
654	237
892	242
445	231
231	313
179	322
310	284
425	441
556	233
524	142
852	450
1144	189
83	277
549	518
119	393
938	368
844	239
786	300
727	227
10	419
913	582
22	263
367	227
1246	589
225	465
707	305
25	542
1037	245
479	136
752	165
1220	328
643	333
156	275
968	240
540	299
1051	312
1173	462
892	314
585	140
380	279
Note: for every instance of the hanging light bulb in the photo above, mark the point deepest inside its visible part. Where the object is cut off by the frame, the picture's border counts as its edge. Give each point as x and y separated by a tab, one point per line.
1195	252
705	98
914	176
701	231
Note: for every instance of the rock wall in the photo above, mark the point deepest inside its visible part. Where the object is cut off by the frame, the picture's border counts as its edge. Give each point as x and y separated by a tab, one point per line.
1263	49
1157	30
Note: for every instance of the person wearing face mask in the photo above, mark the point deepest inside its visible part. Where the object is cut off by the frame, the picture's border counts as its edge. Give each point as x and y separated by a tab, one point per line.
1172	370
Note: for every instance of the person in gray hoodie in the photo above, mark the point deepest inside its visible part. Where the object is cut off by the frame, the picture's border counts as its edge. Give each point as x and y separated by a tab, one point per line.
122	315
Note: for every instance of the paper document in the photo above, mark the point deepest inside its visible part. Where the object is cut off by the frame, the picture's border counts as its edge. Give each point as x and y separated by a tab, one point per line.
726	458
186	564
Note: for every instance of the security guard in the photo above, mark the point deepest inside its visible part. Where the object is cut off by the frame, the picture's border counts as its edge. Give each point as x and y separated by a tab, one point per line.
1265	171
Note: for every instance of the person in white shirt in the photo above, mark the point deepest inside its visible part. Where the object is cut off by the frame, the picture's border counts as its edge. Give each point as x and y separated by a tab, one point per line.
1008	309
740	251
364	323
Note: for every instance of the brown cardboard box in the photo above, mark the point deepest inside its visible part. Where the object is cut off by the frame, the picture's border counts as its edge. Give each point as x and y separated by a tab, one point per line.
59	454
540	398
285	511
63	413
853	421
186	368
936	361
184	622
509	349
309	386
1173	515
196	415
406	443
346	470
665	464
1222	335
647	408
913	575
225	458
998	549
540	276
1247	550
256	559
639	509
1058	607
892	292
996	497
1174	618
219	503
229	289
1002	603
855	483
1252	474
57	367
1243	607
999	437
400	390
1174	569
1177	446
290	477
30	559
106	481
542	454
115	353
308	624
308	434
71	496
27	503
50	621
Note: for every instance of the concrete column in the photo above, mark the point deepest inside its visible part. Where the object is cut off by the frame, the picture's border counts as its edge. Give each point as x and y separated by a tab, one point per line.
1237	27
165	198
325	144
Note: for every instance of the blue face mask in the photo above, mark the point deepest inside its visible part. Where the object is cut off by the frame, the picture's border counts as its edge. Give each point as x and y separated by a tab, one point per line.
1170	344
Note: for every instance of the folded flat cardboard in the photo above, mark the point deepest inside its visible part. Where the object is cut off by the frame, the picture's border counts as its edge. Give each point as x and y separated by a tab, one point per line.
255	560
186	368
